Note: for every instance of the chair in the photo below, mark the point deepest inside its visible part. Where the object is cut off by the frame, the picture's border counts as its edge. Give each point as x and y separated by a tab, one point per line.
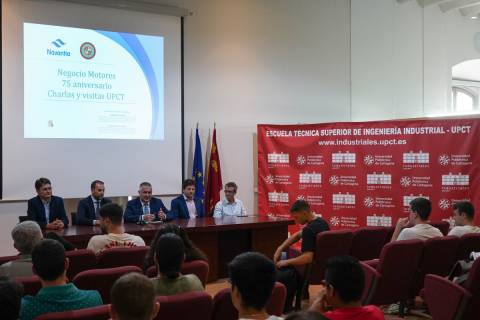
6	259
186	306
31	284
80	260
447	300
392	278
390	231
367	243
22	218
102	279
443	226
468	242
197	267
122	256
73	216
223	308
95	313
438	257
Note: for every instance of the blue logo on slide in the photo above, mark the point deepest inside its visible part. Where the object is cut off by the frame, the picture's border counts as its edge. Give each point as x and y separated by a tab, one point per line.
58	43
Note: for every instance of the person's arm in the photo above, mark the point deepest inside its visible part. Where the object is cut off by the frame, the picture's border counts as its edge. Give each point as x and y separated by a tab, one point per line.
243	211
62	213
32	214
218	212
174	209
129	215
286	244
82	218
303	259
401	224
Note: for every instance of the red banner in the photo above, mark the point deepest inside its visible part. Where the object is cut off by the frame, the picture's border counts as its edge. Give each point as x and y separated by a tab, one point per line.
365	173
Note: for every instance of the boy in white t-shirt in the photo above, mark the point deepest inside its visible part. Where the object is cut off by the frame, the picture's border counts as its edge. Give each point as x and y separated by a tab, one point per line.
463	214
111	222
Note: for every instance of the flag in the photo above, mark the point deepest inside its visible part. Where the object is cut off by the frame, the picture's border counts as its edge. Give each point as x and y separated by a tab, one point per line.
214	181
197	171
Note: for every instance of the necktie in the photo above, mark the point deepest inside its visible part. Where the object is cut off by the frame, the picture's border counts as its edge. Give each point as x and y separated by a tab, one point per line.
97	208
145	209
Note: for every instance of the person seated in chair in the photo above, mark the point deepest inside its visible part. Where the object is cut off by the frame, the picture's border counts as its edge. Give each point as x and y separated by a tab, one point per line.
187	206
463	214
11	293
145	208
88	209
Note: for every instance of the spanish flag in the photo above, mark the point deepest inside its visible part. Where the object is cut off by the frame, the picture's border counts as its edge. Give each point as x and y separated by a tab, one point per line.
214	178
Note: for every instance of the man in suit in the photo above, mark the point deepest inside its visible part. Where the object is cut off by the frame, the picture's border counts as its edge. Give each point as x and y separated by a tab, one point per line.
187	206
88	208
145	207
47	210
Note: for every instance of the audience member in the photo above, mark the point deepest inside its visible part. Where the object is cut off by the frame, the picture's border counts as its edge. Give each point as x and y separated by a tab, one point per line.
420	209
47	210
463	214
25	236
10	298
146	207
88	209
253	277
287	273
186	206
305	315
344	284
50	264
111	222
68	246
230	206
169	256
133	297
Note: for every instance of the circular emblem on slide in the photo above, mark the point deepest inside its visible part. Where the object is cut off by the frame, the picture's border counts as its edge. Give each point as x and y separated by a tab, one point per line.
335	221
368	202
334	180
301	160
301	197
444	159
368	160
405	181
269	179
444	204
87	50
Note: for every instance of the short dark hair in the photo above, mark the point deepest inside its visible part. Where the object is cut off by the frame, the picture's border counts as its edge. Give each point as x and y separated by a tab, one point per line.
40	182
253	274
11	294
305	315
465	207
145	184
346	276
48	258
422	207
169	254
94	183
300	205
133	296
112	211
231	184
188	183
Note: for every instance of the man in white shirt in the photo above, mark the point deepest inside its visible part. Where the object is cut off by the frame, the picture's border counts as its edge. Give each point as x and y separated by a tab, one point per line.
420	209
111	222
463	214
229	206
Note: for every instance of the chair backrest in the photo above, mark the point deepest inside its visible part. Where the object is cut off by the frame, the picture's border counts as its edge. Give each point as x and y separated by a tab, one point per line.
329	244
22	218
368	242
73	216
95	313
443	226
186	306
6	259
445	300
473	286
223	308
31	284
102	279
468	242
199	268
80	260
122	256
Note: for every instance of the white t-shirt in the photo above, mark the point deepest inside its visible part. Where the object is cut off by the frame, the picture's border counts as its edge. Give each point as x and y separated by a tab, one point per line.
422	231
461	230
112	240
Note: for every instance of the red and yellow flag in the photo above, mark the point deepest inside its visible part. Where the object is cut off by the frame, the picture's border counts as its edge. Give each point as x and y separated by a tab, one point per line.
214	178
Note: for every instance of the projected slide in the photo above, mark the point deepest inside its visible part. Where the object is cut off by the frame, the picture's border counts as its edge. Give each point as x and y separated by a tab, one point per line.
92	84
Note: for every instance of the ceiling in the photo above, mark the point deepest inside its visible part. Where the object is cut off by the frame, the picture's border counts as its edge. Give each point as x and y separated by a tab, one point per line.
468	8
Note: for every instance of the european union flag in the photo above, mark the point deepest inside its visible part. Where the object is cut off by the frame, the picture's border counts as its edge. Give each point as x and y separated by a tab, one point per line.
197	173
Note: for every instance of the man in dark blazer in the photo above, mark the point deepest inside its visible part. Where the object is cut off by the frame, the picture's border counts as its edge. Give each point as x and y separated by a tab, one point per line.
145	207
186	206
47	210
88	208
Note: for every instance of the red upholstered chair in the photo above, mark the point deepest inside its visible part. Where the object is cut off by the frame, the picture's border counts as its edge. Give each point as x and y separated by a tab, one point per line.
80	260
122	256
31	284
392	279
390	231
199	268
368	242
438	257
186	306
468	242
8	259
102	279
95	313
443	226
223	308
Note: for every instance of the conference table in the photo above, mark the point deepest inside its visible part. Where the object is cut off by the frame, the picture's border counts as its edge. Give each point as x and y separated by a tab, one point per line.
221	239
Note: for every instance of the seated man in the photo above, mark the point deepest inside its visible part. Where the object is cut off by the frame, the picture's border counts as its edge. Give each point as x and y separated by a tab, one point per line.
420	209
229	206
50	265
287	274
187	206
145	207
10	298
114	235
253	277
344	283
88	208
463	214
133	297
169	257
47	210
25	236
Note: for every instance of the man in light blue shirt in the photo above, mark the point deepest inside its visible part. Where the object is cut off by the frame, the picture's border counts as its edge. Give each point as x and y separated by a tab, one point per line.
229	206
